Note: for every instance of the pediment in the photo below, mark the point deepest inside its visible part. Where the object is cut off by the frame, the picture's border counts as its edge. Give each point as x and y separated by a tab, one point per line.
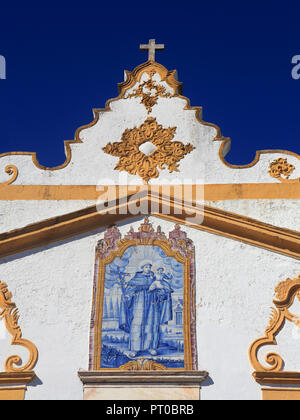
196	216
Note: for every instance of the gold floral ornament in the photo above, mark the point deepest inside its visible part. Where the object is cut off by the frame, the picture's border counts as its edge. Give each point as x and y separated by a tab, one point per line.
166	152
142	364
9	313
149	91
281	169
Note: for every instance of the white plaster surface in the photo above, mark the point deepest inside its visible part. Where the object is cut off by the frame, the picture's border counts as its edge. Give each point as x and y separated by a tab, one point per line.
52	288
91	166
18	214
280	213
139	393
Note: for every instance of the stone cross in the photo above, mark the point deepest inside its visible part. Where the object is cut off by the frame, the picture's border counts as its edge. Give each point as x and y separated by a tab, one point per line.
152	47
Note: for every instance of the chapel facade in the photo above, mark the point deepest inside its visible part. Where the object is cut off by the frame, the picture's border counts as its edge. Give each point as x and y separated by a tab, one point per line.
146	266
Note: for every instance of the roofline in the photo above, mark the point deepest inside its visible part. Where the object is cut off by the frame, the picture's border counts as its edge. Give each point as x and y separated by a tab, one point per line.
216	221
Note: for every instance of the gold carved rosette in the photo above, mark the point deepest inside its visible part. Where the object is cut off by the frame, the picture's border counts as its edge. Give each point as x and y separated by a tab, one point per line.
282	170
166	153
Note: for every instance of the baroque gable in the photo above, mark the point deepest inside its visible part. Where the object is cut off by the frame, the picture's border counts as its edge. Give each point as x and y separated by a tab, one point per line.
149	111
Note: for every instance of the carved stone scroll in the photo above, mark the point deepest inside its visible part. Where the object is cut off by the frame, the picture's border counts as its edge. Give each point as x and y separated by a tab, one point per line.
12	171
9	313
286	293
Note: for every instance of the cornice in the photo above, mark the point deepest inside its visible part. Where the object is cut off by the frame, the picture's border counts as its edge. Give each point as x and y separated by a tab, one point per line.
277	378
216	221
211	192
13	385
143	377
16	378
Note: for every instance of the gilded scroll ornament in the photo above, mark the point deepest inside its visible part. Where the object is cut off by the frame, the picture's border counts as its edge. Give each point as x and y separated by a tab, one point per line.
282	289
9	313
152	70
286	292
142	364
167	153
149	91
146	235
13	172
281	169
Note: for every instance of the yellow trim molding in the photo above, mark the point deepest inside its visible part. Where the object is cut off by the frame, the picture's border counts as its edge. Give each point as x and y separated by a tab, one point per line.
220	222
13	385
16	378
277	378
281	394
210	192
12	393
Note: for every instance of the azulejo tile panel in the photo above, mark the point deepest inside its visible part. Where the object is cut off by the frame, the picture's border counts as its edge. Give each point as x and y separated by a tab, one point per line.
143	314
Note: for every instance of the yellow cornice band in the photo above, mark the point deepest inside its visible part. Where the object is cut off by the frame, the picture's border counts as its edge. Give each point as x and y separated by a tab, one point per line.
220	222
212	192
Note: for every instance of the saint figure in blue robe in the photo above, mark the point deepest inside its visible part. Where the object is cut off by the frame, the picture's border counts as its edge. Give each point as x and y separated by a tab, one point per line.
144	307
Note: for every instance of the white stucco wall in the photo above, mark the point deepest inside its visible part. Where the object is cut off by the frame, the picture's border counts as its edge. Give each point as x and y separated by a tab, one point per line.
18	214
280	213
52	288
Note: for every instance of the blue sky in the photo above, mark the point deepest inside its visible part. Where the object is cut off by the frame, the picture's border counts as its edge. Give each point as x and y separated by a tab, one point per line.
63	59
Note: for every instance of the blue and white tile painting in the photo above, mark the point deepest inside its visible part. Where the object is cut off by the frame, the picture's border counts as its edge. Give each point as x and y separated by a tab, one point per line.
143	309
